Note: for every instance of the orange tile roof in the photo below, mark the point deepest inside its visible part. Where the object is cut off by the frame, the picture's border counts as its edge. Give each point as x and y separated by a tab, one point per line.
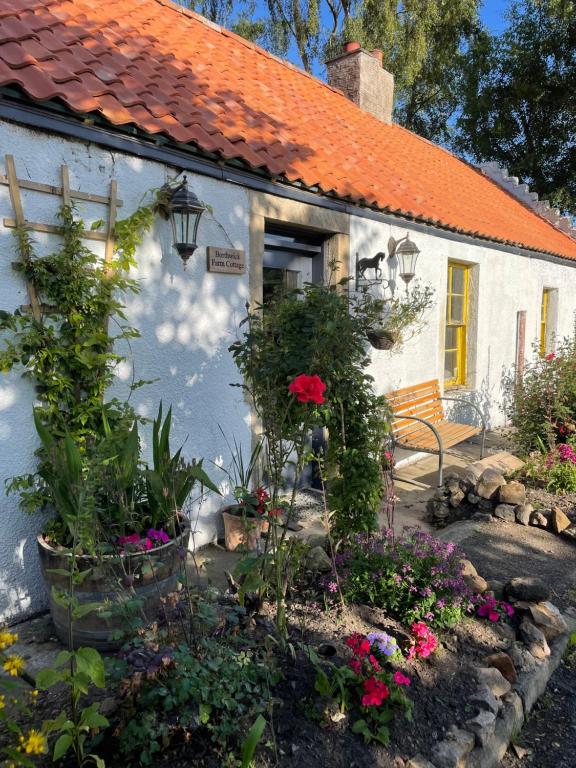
166	70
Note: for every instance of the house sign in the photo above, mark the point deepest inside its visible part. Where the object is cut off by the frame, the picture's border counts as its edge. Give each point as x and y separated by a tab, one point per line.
226	260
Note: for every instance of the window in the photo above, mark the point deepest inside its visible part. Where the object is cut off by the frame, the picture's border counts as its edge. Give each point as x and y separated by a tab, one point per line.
456	324
292	257
544	319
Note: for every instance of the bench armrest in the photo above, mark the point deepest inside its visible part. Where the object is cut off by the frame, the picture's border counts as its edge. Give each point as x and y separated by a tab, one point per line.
472	405
427	423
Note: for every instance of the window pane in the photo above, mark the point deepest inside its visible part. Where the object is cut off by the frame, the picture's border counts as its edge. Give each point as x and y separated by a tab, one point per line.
457	280
451	341
450	365
457	309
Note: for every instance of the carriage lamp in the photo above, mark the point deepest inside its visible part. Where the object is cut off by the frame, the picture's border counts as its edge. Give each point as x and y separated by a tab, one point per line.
407	254
185	211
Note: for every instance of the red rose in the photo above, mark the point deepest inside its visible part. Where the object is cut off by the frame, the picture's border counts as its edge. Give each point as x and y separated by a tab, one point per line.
308	389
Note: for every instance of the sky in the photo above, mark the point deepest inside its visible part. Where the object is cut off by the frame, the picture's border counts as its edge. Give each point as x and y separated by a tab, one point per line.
492	13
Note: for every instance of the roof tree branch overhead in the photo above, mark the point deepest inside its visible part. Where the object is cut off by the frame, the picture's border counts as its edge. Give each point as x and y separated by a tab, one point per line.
167	71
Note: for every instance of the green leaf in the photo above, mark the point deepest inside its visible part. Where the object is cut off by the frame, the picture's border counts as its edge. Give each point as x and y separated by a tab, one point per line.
98	761
205	712
251	741
83	610
46	678
89	661
62	745
91	718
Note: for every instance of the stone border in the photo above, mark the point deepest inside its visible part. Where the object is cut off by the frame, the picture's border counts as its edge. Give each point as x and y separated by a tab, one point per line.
502	707
480	493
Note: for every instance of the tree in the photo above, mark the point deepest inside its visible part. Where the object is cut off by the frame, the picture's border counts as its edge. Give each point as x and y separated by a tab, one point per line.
422	41
519	102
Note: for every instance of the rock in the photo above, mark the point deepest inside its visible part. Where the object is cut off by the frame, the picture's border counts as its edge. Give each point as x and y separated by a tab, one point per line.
482	517
472	498
452	484
489	484
570	533
505	512
438	509
482	726
529	588
548	619
452	752
493	679
539	519
317	560
505	630
484	700
476	583
523	512
457	498
419	762
521	752
523	661
534	640
512	493
471	475
504	664
468	568
497	588
559	520
485	505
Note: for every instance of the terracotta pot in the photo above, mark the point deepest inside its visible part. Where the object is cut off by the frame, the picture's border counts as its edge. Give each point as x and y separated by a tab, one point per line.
153	575
240	531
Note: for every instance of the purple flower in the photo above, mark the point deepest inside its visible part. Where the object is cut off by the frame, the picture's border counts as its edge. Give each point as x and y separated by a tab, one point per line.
332	586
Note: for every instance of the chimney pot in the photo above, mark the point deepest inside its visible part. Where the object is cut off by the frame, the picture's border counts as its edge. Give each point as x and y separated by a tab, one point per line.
377	53
351	46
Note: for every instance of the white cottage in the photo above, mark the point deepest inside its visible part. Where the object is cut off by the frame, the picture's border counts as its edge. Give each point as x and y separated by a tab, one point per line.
295	172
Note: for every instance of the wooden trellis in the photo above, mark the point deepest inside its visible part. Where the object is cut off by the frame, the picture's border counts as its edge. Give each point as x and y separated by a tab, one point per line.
68	195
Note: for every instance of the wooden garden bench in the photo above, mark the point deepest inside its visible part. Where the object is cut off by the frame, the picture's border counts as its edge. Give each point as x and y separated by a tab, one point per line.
420	424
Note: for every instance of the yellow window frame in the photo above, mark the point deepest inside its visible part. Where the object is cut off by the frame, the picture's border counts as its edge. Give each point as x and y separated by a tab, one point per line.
544	310
461	325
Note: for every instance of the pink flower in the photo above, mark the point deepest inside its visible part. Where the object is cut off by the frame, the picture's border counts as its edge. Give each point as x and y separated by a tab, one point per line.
355	666
493	616
374	661
134	538
400	679
308	389
359	644
375	691
550	356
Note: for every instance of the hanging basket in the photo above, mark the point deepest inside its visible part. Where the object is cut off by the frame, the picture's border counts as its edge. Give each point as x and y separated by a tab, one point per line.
381	339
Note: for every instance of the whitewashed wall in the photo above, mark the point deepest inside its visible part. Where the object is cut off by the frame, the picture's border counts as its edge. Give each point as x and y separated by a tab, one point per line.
507	283
187	320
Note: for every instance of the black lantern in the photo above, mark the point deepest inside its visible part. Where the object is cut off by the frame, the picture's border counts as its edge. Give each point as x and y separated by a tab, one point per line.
185	211
407	254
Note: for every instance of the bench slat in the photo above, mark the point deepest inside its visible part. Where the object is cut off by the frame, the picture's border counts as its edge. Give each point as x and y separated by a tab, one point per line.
423	401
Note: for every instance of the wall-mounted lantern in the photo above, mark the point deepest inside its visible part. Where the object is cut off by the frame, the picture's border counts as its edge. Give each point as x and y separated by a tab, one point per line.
407	254
185	211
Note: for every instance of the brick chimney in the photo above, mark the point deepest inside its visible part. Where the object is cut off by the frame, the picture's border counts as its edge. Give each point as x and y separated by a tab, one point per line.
359	74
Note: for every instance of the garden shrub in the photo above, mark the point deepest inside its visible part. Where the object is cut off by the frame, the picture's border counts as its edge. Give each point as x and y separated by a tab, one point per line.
320	330
414	577
212	690
554	470
541	404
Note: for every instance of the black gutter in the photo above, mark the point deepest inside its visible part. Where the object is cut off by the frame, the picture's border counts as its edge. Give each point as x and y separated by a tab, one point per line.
184	159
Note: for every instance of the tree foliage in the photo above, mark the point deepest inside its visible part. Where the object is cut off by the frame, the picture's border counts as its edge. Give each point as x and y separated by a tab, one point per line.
519	102
422	42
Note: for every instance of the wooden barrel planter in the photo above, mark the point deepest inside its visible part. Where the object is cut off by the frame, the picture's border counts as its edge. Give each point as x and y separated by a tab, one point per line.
148	575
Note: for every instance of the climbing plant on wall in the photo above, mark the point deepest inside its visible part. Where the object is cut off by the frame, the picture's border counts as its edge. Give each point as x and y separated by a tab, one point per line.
67	347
